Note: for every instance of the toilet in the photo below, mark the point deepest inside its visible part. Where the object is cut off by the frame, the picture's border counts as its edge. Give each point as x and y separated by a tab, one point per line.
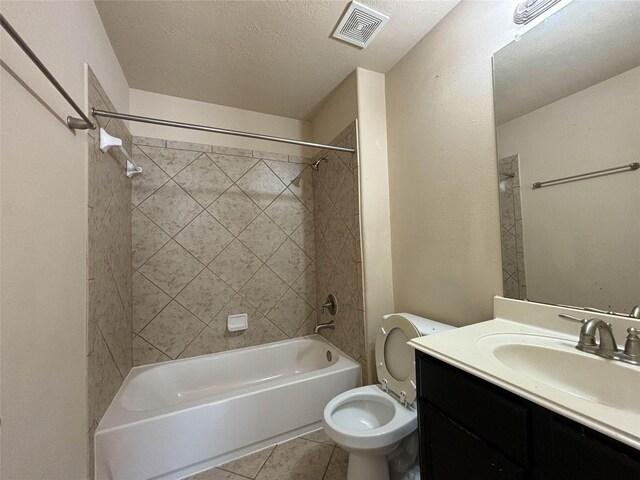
371	422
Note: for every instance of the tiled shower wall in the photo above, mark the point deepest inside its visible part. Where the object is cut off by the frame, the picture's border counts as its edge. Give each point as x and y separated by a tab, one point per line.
219	231
513	271
109	316
338	251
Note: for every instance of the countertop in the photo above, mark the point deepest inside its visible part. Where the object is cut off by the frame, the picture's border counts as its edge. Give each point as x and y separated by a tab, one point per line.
460	348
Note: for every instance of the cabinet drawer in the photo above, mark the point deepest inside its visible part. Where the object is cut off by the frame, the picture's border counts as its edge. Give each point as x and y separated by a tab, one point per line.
487	411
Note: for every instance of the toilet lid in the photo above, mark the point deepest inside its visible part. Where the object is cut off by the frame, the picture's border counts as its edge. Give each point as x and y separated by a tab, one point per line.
395	360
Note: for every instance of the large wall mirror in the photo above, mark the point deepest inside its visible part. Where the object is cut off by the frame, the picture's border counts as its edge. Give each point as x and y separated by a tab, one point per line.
567	107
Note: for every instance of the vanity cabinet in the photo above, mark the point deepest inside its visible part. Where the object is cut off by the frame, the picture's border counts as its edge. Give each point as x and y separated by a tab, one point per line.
470	428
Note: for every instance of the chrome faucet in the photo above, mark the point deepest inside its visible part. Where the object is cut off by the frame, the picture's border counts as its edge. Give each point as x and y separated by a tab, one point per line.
321	326
587	343
331	305
607	348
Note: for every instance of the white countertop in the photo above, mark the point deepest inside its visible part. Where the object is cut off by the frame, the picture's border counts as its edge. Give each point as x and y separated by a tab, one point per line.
460	348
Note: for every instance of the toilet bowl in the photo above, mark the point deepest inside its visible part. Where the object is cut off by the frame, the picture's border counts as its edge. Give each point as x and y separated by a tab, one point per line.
370	422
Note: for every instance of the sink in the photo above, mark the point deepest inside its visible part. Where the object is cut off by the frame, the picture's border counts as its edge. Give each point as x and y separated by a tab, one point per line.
555	362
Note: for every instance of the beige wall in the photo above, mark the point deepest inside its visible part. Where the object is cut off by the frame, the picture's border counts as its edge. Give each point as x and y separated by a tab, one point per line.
44	227
442	167
374	204
191	111
567	225
339	109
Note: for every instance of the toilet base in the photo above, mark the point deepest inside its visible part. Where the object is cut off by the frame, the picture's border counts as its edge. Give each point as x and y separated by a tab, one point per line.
368	467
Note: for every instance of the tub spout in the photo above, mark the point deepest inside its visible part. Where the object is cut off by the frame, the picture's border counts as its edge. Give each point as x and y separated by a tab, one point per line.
321	326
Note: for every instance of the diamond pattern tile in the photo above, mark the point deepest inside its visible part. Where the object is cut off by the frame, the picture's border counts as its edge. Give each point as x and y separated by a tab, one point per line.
289	313
201	242
235	265
170	208
172	268
145	354
204	237
304	236
203	180
286	172
289	261
302	187
262	237
261	184
168	159
287	211
148	301
234	166
205	295
147	238
172	330
234	210
264	289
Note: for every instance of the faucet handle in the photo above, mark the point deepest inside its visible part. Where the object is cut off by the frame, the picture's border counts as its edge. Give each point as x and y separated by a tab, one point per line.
632	346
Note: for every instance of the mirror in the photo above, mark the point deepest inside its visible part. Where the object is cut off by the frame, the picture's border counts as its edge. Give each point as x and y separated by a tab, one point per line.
567	107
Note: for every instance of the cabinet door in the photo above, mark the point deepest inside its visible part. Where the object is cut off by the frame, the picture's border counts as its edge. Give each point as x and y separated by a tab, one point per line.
579	452
454	453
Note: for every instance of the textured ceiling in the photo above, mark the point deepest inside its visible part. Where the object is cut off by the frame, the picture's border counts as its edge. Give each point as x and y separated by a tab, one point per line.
583	44
275	57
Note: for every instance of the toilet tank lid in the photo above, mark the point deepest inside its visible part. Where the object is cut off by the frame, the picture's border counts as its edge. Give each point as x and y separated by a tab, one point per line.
424	325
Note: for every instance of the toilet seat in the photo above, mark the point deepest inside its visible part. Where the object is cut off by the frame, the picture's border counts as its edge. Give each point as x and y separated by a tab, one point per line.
395	360
348	409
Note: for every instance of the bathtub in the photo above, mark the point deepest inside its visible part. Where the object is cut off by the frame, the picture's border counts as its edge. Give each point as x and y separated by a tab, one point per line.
177	418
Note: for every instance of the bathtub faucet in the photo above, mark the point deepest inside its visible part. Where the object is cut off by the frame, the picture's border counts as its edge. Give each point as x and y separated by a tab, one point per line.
321	326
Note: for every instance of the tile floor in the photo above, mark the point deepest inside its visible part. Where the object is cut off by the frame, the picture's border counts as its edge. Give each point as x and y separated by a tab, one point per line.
310	457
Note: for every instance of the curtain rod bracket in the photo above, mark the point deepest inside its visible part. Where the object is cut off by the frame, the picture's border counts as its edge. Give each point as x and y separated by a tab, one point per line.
75	123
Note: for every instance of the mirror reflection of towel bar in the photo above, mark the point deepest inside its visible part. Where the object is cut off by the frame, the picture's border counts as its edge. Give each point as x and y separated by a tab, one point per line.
585	176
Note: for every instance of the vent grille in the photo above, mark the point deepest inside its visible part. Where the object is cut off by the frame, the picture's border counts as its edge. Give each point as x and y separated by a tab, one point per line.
359	25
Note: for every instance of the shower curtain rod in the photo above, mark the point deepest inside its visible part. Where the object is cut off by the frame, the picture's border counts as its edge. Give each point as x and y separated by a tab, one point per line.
223	131
72	122
84	122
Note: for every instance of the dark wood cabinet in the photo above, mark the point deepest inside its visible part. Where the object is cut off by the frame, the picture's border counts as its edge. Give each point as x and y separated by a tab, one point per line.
469	428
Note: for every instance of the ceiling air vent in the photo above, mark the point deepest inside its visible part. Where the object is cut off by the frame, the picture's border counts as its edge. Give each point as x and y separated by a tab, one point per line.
359	25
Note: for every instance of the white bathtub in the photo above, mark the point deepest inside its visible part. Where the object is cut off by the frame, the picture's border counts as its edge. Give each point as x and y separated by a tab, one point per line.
177	418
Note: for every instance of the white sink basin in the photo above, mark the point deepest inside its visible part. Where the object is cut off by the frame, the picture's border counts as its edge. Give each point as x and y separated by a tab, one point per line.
556	363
